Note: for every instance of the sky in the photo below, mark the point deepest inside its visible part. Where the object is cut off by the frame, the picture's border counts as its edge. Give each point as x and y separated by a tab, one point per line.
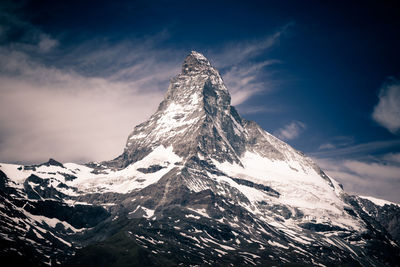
324	76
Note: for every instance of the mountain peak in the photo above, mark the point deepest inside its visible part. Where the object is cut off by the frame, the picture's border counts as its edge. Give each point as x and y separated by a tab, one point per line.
197	55
195	62
195	185
194	117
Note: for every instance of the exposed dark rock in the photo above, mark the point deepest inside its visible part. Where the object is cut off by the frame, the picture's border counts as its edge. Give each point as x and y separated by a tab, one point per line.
318	227
388	216
38	188
264	188
68	177
79	216
151	169
50	162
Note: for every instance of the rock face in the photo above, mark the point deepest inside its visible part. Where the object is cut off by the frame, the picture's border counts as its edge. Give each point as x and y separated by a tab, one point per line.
388	215
195	118
196	184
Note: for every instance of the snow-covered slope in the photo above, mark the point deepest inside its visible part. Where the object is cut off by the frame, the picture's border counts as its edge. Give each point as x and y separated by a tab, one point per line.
378	201
198	184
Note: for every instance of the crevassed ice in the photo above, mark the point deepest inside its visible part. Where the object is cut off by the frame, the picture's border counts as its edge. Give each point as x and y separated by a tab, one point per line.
128	179
302	188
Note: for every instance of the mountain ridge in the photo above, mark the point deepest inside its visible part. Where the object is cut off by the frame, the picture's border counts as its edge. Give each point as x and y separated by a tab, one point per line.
190	101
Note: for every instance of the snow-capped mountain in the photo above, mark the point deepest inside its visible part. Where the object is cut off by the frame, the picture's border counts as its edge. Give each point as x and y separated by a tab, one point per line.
196	184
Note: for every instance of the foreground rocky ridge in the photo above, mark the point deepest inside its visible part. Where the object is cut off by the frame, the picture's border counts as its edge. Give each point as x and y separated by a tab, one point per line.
195	185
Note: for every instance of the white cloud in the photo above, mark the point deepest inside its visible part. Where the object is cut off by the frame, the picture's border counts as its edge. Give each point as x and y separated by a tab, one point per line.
237	52
46	43
387	111
243	81
46	112
241	73
247	109
392	157
337	142
373	169
360	149
50	111
379	179
290	131
326	146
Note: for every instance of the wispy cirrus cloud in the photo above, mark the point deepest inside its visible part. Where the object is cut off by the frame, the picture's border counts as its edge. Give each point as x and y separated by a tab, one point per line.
392	157
46	43
250	109
358	150
376	177
236	52
326	146
364	169
337	142
240	72
387	111
50	112
243	81
291	130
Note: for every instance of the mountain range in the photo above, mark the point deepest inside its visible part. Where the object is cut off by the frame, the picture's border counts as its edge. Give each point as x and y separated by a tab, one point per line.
196	185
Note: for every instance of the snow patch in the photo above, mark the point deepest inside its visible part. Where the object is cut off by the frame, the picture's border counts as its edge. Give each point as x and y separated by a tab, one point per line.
192	216
379	202
276	244
149	212
202	212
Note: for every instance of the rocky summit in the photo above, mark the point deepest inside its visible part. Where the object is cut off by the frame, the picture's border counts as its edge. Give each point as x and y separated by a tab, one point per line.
196	185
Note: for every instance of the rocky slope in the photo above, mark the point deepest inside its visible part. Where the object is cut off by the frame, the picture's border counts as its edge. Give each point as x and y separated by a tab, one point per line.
196	185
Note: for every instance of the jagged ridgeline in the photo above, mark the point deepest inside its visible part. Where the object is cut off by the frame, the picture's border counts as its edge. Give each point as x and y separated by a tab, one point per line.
196	185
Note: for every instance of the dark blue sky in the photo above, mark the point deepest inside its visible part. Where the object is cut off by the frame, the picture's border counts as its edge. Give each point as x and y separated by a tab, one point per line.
324	66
